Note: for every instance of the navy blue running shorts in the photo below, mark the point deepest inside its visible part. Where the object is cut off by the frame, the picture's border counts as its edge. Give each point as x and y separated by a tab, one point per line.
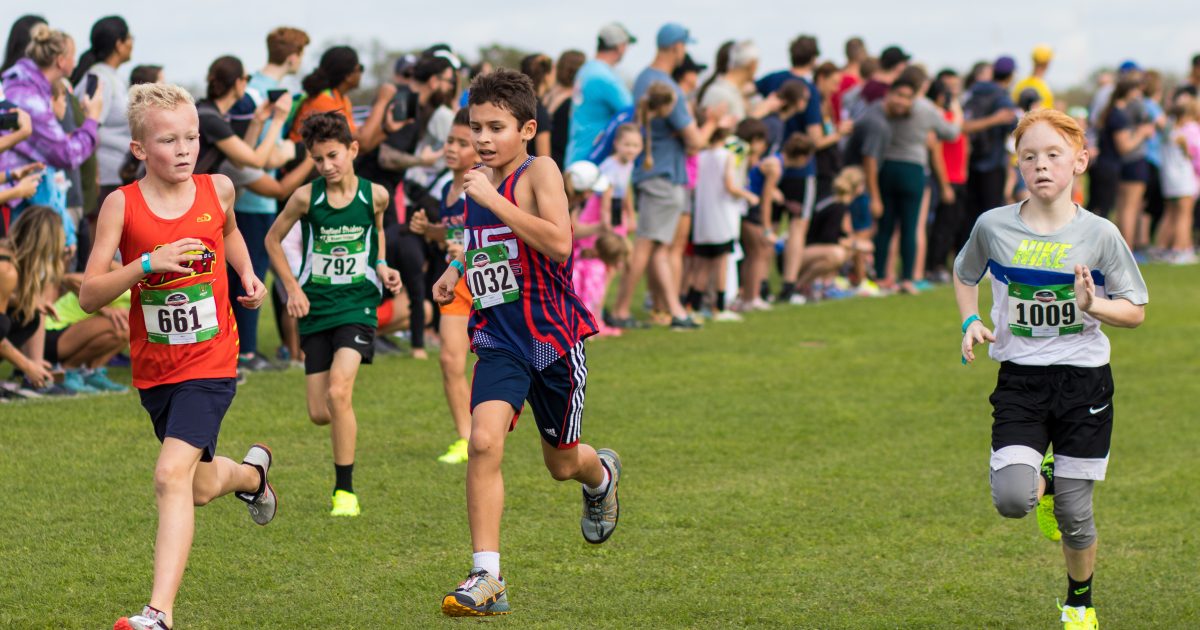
556	393
190	411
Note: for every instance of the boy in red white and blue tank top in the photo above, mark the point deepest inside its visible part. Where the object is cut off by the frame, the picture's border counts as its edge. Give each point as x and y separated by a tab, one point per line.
527	327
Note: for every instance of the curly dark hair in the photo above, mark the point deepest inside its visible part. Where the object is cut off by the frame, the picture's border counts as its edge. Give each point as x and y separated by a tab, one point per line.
326	126
507	89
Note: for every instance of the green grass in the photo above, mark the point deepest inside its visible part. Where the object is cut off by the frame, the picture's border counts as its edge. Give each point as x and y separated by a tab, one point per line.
815	467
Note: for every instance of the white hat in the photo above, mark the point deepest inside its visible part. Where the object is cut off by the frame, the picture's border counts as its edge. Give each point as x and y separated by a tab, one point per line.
585	175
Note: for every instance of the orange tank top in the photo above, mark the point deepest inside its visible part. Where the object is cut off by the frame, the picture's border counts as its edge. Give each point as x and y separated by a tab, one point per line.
181	326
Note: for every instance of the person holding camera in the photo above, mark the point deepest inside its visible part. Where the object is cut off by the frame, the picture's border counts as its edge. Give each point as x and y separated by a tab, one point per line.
112	46
50	58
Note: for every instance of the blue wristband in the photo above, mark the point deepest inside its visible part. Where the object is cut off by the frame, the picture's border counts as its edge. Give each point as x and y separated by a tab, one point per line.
146	262
380	262
462	271
967	324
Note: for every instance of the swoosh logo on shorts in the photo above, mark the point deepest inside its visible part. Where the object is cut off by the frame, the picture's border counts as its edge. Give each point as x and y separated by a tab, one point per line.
361	342
1096	410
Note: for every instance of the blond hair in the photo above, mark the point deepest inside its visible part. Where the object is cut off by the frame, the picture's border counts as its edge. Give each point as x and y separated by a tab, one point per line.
1065	125
848	181
37	241
46	45
147	96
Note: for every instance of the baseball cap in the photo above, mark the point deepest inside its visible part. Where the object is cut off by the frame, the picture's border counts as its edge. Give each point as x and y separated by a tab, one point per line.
405	64
614	34
1129	65
672	33
1004	66
892	56
1042	54
690	65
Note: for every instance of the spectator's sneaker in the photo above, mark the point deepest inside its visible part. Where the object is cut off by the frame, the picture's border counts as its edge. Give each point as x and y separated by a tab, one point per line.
255	362
240	377
628	323
264	504
727	316
1079	618
760	304
383	345
480	595
684	323
74	381
1047	522
150	619
99	380
345	504
53	389
18	391
797	299
119	361
600	513
456	454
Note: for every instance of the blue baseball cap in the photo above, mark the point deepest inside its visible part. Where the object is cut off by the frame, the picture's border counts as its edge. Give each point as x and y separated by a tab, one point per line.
672	33
1129	65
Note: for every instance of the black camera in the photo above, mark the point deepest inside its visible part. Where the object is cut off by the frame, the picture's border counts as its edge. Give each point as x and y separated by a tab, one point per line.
8	121
405	104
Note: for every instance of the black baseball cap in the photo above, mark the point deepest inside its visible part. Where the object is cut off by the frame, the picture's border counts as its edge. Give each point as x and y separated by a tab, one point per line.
689	65
892	56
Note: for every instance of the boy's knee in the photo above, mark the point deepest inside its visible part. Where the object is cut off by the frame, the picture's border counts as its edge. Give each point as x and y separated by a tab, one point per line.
1014	490
1073	509
339	394
482	444
171	476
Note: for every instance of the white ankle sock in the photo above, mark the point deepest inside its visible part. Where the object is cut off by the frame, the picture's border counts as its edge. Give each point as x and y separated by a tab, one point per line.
488	561
603	487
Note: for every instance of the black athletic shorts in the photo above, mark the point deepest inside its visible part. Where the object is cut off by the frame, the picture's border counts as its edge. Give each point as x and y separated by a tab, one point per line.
1069	407
320	346
712	250
556	393
190	411
50	353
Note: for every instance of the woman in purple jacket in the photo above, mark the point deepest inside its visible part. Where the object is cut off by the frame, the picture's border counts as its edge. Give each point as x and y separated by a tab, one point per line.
49	58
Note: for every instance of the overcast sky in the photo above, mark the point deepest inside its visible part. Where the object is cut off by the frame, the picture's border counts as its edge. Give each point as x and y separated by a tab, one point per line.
186	36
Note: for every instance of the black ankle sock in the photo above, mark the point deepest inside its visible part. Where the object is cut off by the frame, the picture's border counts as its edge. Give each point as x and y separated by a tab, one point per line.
1079	593
694	299
788	289
345	478
262	480
720	300
764	290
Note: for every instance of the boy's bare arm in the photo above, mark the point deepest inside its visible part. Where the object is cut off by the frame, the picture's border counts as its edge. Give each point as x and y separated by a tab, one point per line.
548	231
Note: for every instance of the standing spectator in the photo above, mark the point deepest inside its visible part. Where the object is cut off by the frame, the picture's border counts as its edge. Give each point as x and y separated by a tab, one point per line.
557	101
326	87
28	85
1123	135
255	212
892	61
989	114
599	93
1180	183
1042	55
803	52
112	47
948	221
659	180
902	174
227	85
728	88
852	74
1152	97
827	77
18	39
540	69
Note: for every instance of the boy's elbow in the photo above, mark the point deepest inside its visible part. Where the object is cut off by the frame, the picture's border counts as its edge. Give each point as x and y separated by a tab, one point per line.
87	302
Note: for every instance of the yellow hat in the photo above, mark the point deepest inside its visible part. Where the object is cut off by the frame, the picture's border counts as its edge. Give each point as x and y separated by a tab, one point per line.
1042	54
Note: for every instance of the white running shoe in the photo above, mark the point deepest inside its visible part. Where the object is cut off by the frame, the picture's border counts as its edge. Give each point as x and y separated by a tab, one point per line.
263	505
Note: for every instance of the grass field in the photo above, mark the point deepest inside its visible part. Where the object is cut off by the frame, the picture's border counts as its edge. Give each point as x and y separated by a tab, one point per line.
815	467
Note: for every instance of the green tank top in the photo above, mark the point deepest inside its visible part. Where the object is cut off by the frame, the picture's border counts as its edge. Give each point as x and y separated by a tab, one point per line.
340	249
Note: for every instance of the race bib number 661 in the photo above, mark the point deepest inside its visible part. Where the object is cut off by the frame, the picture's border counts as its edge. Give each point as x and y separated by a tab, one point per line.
180	316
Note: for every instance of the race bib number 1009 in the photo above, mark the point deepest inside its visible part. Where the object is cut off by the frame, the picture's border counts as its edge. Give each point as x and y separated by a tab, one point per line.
490	277
1048	311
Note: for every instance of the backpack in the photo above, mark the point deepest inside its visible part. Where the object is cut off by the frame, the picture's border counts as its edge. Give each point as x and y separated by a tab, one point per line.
978	106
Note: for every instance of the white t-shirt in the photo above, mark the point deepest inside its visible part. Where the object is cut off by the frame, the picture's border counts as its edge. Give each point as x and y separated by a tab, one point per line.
114	134
618	174
718	214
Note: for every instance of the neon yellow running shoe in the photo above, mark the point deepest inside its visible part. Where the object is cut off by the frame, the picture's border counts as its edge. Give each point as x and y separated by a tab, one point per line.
1079	618
456	454
345	504
1047	522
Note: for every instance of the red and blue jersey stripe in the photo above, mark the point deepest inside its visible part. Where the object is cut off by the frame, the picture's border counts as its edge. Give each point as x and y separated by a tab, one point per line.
549	319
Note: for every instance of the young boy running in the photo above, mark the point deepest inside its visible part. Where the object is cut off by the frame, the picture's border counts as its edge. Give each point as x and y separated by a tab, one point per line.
175	231
448	233
1058	273
527	328
335	297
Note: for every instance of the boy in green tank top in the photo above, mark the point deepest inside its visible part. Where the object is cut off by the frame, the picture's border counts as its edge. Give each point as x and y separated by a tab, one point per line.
340	285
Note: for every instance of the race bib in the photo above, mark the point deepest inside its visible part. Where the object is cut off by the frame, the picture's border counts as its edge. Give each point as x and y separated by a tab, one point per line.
456	235
339	263
490	277
180	316
1048	311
